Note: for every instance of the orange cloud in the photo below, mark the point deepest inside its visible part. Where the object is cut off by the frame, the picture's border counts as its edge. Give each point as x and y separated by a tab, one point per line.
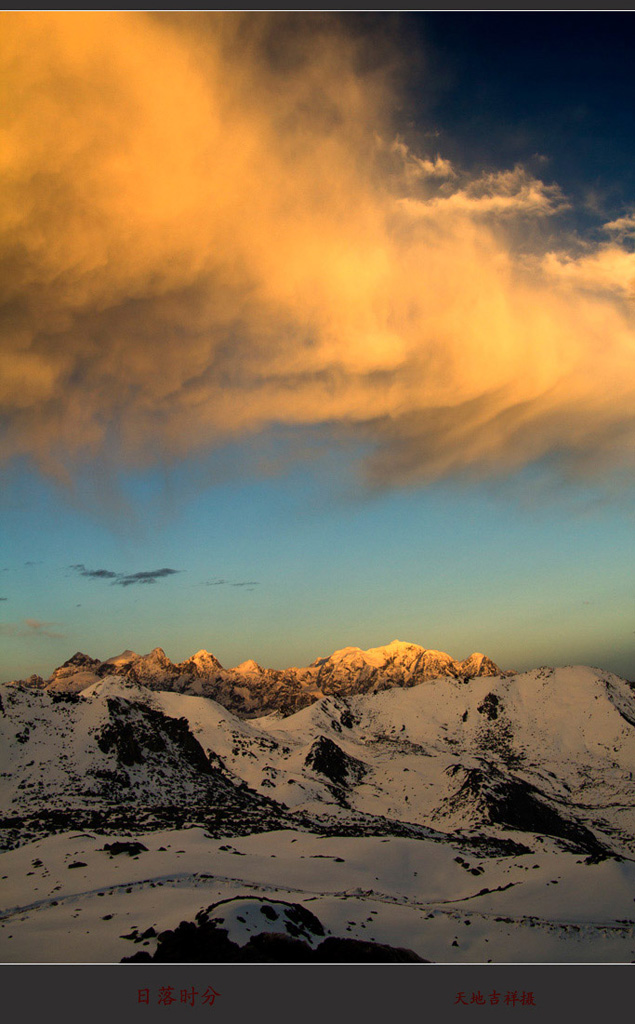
203	233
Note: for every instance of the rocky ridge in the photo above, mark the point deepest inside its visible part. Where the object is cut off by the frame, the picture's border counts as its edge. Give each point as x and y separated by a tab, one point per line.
250	691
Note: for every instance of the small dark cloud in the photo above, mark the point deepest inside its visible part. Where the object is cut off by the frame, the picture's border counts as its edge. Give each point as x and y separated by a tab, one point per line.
96	574
122	579
4	598
246	583
30	565
144	577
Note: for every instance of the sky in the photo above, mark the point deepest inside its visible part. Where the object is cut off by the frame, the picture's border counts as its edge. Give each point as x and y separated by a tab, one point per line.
317	330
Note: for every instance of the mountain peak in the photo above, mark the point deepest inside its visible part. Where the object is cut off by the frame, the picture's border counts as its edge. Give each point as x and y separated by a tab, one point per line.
397	647
248	666
80	659
202	660
157	654
201	655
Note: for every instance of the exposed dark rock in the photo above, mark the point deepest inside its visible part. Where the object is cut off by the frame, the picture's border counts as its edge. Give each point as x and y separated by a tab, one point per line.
269	912
330	760
134	730
120	735
114	779
275	948
336	950
132	848
490	707
203	941
496	736
507	800
195	943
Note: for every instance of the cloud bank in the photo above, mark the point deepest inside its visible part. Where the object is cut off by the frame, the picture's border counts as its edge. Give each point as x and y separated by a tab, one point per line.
210	226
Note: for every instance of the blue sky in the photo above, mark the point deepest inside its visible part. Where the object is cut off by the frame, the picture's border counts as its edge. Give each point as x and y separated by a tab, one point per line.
341	407
285	570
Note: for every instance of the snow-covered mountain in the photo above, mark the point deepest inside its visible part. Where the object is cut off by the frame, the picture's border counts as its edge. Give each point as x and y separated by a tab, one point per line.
75	761
250	690
478	785
549	752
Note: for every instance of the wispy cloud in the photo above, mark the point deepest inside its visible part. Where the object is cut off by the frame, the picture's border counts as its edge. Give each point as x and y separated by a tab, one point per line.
416	167
31	628
622	227
501	193
124	579
220	582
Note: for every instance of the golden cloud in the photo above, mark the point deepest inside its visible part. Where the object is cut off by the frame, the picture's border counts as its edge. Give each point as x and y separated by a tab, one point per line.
203	232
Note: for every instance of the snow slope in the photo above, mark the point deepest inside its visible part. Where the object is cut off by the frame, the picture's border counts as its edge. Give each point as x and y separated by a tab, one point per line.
71	901
465	819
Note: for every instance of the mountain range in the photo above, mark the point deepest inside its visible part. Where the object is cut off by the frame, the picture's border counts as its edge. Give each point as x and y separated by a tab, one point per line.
404	796
250	690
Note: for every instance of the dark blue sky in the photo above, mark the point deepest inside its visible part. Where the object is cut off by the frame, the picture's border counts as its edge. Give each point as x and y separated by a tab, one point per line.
501	88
